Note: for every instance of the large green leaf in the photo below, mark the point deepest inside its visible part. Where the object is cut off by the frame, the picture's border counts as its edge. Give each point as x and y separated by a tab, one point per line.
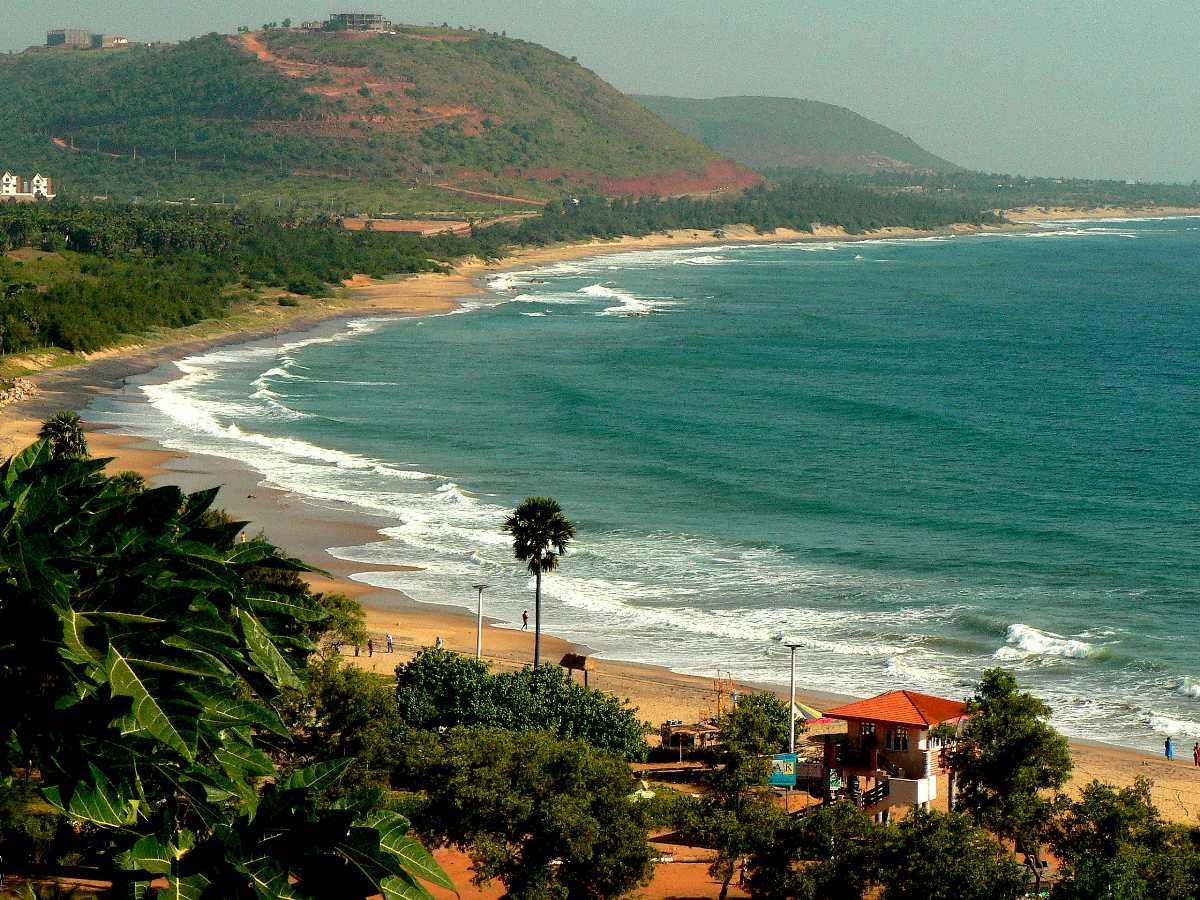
393	831
229	712
279	605
397	887
125	682
73	626
36	453
270	882
264	652
315	776
241	760
147	855
97	800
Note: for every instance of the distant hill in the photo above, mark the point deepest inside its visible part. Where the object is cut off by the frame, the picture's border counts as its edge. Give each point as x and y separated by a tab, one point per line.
325	112
776	132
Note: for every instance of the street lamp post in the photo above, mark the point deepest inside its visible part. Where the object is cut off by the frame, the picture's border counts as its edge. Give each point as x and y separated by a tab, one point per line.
479	622
792	703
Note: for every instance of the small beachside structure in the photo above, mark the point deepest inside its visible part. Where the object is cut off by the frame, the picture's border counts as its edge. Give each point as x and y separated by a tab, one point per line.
888	757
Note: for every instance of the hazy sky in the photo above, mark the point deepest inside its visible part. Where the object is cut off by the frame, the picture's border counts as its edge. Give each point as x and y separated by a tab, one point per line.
1095	87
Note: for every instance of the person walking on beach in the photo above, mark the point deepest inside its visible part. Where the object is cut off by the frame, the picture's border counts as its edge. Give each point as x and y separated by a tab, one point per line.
1169	749
1196	754
370	647
437	643
525	620
390	643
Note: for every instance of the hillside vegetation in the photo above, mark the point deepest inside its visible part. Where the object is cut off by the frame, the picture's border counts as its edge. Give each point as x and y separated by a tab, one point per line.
778	132
322	112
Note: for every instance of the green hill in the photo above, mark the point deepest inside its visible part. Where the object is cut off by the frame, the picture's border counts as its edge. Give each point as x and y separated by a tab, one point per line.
777	132
301	115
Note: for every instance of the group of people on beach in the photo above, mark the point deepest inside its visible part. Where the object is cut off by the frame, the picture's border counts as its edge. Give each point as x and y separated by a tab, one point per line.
389	643
1169	750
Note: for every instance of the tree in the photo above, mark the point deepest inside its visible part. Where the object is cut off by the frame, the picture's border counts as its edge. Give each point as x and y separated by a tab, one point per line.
129	482
1008	759
1114	843
943	856
345	712
540	534
64	432
438	689
143	666
345	622
549	818
738	813
828	853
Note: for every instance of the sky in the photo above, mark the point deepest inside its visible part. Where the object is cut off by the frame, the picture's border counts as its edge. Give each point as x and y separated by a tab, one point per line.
1089	88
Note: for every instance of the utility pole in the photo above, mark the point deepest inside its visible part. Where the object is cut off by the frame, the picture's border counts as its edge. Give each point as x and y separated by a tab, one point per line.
792	702
479	621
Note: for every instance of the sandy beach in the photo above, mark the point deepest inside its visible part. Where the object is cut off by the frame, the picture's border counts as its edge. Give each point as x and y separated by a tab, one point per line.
306	530
1063	213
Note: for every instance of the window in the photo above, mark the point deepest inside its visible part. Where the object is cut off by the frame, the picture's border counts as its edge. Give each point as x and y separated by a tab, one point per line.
898	739
867	731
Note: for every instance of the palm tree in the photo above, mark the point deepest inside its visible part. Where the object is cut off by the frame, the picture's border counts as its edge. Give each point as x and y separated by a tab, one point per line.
129	482
540	534
65	434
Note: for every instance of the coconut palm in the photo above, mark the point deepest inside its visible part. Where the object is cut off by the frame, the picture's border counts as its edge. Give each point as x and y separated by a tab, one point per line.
540	534
65	433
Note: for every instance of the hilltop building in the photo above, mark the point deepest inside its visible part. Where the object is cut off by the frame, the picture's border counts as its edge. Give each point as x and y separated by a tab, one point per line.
888	745
20	190
82	39
68	37
357	21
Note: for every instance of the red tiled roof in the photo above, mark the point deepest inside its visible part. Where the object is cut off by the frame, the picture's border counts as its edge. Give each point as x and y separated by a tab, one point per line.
902	708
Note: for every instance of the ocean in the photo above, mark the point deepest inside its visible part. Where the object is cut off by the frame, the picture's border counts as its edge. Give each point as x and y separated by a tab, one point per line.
916	458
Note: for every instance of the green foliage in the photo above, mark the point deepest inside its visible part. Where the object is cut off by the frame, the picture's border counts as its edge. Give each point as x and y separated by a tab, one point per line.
549	818
207	106
136	268
768	132
994	191
439	689
63	432
937	856
345	622
344	712
828	853
1114	843
1008	759
144	664
738	813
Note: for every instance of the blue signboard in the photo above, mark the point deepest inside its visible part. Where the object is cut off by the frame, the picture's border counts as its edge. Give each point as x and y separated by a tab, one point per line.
783	770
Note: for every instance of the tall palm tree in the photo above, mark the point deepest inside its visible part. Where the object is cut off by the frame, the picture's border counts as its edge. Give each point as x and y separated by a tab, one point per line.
65	433
540	534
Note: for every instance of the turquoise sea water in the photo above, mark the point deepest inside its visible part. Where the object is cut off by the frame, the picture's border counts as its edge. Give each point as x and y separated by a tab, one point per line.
916	458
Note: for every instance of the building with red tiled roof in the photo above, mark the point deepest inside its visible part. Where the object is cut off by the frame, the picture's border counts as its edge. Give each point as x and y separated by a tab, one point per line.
888	748
903	708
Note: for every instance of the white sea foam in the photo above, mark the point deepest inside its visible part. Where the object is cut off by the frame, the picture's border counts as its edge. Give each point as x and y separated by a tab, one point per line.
1188	687
704	261
1168	725
536	315
627	304
1024	640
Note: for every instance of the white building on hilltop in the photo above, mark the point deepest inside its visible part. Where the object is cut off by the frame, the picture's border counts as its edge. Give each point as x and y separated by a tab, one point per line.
13	187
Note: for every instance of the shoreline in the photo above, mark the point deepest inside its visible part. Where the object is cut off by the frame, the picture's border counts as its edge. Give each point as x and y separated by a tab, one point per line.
306	530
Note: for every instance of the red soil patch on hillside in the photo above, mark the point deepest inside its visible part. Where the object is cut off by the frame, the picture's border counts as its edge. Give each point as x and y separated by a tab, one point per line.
723	176
388	106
